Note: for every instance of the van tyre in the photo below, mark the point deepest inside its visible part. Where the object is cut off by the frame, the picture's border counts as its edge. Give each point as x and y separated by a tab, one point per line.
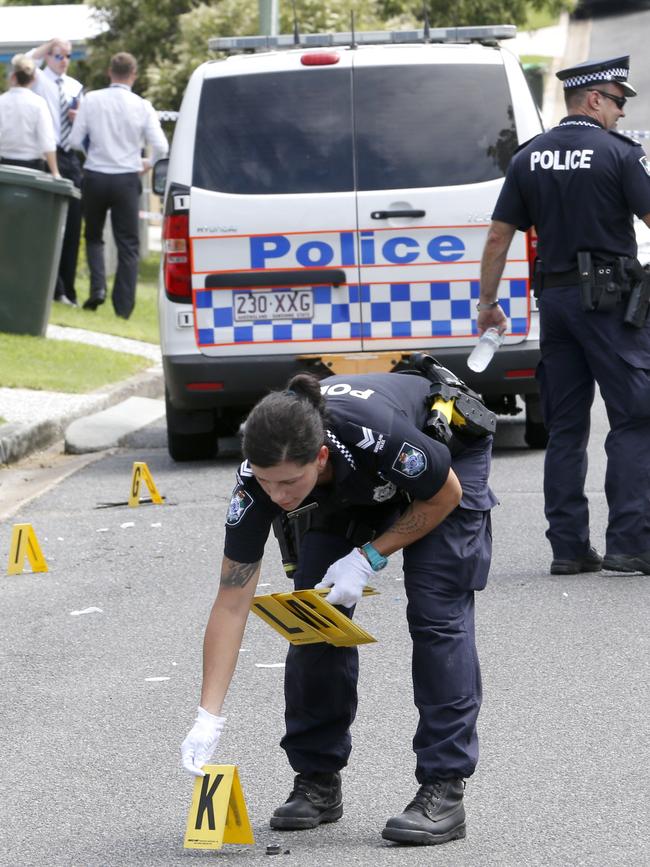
535	435
191	436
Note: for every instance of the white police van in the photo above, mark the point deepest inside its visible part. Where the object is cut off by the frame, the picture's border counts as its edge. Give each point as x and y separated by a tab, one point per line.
326	206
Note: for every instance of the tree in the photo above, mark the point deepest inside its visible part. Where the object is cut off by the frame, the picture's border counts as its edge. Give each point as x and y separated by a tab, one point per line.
146	28
442	13
169	38
167	78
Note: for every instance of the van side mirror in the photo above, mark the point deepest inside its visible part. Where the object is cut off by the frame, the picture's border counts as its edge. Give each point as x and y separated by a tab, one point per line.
159	176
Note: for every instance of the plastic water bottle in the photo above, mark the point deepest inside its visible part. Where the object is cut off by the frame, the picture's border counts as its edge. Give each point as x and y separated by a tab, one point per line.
482	353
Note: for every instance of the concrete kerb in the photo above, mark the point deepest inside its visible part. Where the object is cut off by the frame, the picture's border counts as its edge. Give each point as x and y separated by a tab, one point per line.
17	440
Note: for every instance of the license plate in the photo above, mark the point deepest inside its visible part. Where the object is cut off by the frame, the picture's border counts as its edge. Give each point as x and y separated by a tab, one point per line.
281	304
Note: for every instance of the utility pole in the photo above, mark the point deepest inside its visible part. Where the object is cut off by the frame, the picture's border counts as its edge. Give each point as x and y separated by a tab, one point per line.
269	14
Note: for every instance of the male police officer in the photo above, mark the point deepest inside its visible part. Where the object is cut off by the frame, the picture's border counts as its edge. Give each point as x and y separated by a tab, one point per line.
580	184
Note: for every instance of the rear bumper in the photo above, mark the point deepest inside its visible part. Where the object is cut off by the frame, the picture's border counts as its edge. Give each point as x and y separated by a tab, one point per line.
199	382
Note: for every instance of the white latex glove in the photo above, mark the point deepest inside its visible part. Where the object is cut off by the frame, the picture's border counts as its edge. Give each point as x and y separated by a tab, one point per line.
347	577
198	747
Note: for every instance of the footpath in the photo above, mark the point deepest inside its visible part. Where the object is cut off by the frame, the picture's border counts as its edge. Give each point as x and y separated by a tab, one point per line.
88	422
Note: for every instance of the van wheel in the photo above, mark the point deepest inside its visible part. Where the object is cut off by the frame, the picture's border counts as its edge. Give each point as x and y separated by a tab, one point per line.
228	424
191	436
536	435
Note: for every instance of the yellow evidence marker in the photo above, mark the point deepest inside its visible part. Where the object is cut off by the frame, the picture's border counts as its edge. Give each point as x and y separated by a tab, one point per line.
25	544
218	811
141	474
304	617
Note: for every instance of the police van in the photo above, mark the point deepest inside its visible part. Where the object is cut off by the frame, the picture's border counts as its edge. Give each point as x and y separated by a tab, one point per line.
327	199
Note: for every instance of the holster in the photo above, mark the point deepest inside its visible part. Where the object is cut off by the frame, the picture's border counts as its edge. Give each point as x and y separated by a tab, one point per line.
290	529
604	284
637	309
457	414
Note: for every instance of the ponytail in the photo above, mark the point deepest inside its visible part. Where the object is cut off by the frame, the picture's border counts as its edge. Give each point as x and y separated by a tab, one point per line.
287	425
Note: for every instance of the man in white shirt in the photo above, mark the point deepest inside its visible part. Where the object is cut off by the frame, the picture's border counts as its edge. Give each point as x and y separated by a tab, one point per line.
62	94
113	125
26	128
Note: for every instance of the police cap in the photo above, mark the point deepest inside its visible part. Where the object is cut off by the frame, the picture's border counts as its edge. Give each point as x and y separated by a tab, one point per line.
598	71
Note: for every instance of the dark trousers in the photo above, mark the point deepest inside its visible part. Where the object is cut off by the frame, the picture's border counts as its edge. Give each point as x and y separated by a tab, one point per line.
580	349
69	167
441	573
121	195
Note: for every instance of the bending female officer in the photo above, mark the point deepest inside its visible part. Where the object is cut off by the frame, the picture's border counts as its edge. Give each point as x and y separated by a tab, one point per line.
355	446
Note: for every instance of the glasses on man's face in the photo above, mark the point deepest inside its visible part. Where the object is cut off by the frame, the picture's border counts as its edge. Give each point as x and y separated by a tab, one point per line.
62	56
619	100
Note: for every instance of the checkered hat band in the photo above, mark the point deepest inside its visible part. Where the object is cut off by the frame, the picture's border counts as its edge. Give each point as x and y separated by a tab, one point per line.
606	75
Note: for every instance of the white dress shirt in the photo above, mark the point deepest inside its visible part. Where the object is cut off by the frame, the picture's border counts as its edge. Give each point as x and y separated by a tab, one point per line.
26	127
112	126
47	87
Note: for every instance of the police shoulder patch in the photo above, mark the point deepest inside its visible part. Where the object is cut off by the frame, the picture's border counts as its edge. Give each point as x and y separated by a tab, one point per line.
240	502
644	162
411	461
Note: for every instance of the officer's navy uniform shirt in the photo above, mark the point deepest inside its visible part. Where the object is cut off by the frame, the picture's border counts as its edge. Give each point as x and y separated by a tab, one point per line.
379	454
579	185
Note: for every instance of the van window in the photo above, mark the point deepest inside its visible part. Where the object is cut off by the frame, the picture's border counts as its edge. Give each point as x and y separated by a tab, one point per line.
416	126
285	132
432	125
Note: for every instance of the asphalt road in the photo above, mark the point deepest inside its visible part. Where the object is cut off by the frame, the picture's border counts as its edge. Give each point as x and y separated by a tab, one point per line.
90	764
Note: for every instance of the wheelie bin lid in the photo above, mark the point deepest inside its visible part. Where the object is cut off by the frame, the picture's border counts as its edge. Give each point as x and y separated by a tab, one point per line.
21	177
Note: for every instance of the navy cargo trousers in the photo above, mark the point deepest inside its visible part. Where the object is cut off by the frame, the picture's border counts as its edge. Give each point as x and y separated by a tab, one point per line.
441	573
580	349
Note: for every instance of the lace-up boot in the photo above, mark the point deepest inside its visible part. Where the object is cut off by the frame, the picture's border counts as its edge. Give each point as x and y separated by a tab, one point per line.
435	815
315	798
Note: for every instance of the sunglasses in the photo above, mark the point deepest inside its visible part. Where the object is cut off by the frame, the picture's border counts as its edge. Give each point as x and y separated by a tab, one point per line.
619	100
67	57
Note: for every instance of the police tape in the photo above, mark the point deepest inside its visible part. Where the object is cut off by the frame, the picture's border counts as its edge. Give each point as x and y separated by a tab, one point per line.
170	116
152	216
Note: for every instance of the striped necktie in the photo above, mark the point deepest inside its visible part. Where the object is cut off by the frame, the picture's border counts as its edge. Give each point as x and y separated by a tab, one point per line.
66	126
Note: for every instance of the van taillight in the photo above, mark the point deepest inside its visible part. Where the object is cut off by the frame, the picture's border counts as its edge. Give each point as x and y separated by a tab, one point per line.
176	263
531	252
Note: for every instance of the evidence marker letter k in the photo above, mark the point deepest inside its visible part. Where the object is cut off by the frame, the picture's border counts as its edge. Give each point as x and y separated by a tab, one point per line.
205	801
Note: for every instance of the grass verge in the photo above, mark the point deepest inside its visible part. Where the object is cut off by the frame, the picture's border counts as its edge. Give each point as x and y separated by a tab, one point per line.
536	18
60	365
143	324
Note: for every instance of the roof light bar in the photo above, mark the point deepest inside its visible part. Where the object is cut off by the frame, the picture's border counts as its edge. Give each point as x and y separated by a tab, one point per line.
370	37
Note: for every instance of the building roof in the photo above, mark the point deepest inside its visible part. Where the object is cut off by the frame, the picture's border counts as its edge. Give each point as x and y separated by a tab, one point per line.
24	27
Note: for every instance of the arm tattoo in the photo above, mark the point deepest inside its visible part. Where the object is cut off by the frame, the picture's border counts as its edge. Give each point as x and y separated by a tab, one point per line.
237	574
408	524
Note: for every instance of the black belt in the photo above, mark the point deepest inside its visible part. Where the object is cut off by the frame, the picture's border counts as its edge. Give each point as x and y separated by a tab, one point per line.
561	278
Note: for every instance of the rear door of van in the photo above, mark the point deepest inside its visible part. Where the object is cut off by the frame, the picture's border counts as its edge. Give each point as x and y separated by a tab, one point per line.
273	217
434	131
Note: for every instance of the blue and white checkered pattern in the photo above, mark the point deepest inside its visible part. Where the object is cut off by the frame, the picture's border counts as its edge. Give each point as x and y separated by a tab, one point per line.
619	74
391	310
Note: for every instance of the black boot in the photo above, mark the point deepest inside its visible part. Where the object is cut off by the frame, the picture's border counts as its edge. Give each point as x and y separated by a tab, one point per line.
95	300
315	798
435	815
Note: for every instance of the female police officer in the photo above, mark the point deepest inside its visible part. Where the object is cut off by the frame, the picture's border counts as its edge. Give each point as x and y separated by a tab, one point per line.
355	446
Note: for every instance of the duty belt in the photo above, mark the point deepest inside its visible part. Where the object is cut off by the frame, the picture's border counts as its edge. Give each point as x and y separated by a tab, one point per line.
560	278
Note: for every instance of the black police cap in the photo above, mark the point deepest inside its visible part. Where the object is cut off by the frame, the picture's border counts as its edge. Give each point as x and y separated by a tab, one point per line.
598	72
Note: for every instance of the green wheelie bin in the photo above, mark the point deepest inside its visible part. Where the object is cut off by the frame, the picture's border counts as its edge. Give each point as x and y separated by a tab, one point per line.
33	210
